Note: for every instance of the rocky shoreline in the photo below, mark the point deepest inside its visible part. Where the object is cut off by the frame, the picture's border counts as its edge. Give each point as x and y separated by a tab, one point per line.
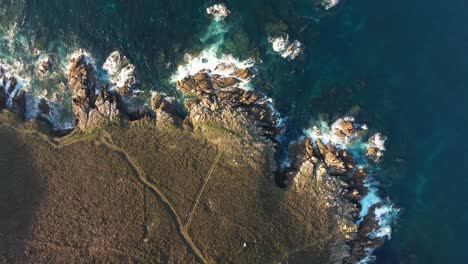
210	97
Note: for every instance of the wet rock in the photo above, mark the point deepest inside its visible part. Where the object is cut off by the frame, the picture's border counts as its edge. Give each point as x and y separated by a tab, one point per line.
82	80
376	147
167	109
346	128
285	48
365	242
218	11
13	82
222	102
90	105
224	82
332	159
51	113
197	84
243	74
43	106
3	98
19	104
44	67
106	104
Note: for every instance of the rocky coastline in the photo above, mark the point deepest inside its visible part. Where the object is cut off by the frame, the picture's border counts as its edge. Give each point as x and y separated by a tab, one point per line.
216	98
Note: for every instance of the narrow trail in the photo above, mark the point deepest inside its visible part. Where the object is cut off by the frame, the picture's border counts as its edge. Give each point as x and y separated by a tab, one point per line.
107	141
55	143
202	189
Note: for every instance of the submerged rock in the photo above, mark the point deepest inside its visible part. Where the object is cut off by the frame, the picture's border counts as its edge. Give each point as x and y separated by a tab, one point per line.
44	67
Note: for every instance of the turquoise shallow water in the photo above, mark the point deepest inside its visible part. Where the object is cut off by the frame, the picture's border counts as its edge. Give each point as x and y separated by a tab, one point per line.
400	66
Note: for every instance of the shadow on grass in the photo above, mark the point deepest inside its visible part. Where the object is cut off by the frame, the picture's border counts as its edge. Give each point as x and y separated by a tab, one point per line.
19	194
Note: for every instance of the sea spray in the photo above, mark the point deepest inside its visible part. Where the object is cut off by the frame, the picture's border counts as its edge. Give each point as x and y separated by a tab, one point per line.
349	135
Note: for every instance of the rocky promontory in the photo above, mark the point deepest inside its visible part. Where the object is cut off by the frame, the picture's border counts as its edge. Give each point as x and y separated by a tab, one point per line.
318	211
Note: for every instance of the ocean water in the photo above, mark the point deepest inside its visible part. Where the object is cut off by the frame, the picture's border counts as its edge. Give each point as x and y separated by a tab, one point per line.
398	66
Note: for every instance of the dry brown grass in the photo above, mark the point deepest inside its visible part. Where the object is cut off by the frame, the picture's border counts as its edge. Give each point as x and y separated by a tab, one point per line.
84	199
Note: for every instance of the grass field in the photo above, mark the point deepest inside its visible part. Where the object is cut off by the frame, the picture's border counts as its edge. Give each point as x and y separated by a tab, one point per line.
137	193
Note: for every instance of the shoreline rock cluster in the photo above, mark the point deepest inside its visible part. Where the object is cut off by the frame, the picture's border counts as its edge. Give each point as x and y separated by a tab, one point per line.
219	99
325	161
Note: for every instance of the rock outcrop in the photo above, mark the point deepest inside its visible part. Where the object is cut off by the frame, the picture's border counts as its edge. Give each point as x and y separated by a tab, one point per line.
167	109
44	67
286	48
12	94
220	100
92	105
218	11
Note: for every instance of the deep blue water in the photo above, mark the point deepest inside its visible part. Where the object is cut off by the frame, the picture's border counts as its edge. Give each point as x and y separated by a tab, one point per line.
403	63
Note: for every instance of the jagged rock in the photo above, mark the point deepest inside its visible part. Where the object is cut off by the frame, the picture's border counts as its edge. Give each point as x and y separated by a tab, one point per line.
167	109
13	83
43	67
19	103
106	104
332	159
82	80
285	48
197	84
51	114
218	11
243	74
3	98
363	243
221	101
43	106
224	82
376	147
89	107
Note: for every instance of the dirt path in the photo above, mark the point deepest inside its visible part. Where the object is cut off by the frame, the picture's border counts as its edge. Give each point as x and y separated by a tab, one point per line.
202	189
107	141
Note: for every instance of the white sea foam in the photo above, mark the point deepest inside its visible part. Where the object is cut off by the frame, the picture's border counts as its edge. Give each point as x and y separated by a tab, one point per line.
328	4
15	70
218	11
328	134
377	141
286	48
385	212
209	61
113	63
119	70
77	54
